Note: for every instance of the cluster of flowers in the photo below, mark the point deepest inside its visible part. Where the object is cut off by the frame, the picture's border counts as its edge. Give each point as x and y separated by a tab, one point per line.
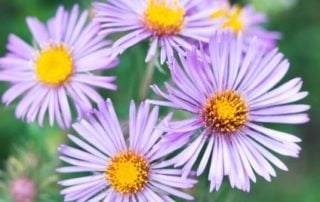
225	75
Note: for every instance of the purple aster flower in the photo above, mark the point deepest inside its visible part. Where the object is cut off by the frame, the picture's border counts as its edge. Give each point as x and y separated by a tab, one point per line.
245	20
170	24
121	168
58	70
230	98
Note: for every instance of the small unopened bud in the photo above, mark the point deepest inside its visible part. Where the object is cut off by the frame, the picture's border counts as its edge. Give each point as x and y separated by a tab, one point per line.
23	190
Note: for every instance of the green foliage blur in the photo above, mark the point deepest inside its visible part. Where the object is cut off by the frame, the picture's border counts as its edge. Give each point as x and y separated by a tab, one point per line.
298	20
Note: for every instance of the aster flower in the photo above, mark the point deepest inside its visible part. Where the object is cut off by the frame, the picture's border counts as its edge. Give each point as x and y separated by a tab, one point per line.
120	171
58	71
171	24
242	19
230	98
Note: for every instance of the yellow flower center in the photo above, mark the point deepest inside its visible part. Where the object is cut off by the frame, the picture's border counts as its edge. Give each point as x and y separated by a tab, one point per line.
128	172
225	112
233	18
54	66
164	19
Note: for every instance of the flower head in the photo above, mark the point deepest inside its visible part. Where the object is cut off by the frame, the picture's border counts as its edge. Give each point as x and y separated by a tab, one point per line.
230	98
163	19
121	171
58	71
245	20
170	24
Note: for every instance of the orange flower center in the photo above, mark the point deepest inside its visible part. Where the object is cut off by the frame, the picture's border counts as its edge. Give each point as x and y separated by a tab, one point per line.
225	112
163	18
128	172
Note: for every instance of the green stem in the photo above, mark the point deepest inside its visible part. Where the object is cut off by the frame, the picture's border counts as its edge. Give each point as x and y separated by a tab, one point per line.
148	78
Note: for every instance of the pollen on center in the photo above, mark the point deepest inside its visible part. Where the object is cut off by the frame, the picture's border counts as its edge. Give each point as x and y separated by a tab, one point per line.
128	172
225	112
164	18
54	65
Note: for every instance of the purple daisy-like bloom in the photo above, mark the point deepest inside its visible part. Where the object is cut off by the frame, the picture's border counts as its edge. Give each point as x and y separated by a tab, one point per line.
59	69
230	98
123	169
171	24
243	19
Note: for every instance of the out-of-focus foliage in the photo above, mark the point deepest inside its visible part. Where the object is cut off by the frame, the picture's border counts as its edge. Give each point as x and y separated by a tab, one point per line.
29	174
273	6
298	20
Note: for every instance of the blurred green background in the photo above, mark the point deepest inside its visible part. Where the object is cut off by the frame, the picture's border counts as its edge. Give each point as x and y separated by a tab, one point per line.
298	20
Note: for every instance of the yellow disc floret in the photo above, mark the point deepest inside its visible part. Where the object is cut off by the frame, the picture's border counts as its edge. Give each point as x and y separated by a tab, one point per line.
232	18
54	65
225	112
128	172
163	18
